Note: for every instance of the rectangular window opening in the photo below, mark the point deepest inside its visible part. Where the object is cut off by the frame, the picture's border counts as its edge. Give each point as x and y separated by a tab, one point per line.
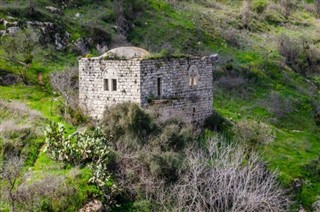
106	84
195	81
114	85
159	86
192	81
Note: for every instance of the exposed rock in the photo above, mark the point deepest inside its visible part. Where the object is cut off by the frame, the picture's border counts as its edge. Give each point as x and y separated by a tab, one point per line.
301	209
316	206
297	184
2	32
77	15
80	46
4	22
102	48
214	57
10	18
53	9
44	26
51	34
13	30
61	40
9	79
93	206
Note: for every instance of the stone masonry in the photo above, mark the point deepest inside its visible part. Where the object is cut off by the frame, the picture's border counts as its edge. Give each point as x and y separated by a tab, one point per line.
179	88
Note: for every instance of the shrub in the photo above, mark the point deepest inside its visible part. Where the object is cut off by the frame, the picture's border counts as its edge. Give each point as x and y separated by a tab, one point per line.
259	5
80	149
217	123
51	192
174	136
313	168
252	133
19	131
278	106
298	54
165	165
289	48
317	116
67	84
127	119
222	177
273	14
10	174
288	7
232	37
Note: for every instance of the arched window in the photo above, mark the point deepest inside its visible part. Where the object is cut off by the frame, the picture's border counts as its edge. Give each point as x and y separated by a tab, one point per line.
193	76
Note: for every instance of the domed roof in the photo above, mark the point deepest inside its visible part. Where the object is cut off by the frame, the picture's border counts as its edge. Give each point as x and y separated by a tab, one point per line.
126	53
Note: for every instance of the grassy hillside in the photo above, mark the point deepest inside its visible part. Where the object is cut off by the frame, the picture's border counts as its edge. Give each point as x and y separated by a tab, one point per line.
268	71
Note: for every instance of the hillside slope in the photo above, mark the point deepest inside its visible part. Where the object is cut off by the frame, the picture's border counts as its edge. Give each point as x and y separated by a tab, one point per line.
268	71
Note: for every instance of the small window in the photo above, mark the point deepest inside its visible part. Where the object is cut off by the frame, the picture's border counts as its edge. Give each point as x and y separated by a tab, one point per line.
114	85
193	76
192	81
106	84
159	86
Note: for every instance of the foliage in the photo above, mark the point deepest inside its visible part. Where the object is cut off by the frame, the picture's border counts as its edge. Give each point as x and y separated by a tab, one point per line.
217	122
259	5
201	27
20	49
80	149
127	119
67	84
251	133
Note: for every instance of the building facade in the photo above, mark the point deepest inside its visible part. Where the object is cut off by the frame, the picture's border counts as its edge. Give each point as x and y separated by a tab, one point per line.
176	88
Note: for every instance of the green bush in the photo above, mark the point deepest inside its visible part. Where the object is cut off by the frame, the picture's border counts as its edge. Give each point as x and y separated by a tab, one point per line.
218	123
251	133
165	165
88	147
127	120
174	136
313	169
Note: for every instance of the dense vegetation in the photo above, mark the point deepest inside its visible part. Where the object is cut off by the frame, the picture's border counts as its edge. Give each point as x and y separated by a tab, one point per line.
266	100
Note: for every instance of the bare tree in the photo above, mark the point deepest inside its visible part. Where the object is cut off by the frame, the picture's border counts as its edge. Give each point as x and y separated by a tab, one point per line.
66	82
10	174
224	178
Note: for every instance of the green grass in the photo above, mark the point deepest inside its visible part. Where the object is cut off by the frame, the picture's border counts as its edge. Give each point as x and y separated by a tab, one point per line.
197	28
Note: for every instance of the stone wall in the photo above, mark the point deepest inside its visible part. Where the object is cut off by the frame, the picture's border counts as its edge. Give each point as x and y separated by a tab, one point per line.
178	98
176	88
93	96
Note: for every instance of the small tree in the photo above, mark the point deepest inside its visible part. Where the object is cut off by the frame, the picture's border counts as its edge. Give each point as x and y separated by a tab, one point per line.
10	174
66	82
19	50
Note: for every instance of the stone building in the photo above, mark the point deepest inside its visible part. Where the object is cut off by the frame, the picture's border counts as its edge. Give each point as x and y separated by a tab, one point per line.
178	88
